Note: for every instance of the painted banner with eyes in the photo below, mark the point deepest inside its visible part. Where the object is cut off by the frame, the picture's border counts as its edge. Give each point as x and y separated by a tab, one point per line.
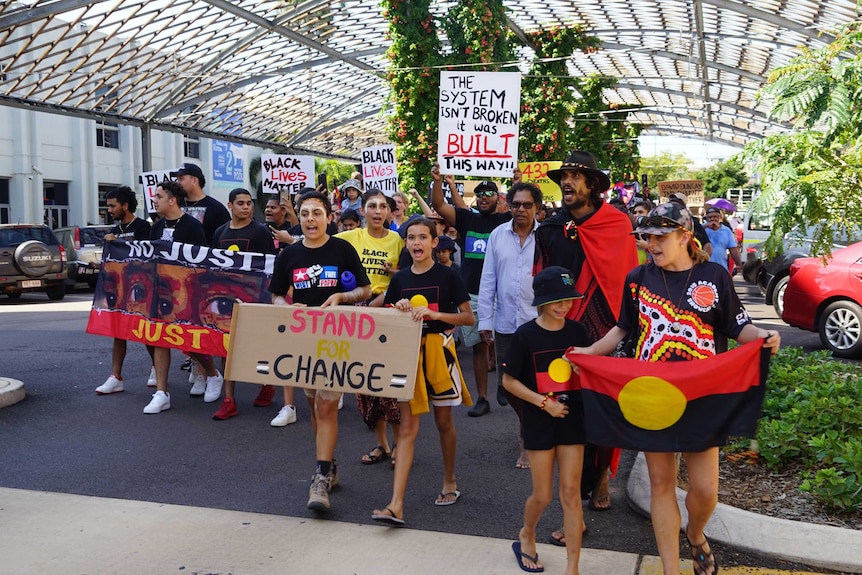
171	294
673	406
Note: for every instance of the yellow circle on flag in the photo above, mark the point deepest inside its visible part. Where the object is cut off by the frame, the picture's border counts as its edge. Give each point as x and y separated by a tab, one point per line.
419	300
560	370
651	403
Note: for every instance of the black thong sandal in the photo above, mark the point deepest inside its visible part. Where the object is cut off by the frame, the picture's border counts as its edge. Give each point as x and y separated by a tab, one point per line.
376	455
703	560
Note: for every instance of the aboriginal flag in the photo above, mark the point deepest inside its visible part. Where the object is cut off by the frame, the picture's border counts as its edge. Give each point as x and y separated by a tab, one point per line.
673	406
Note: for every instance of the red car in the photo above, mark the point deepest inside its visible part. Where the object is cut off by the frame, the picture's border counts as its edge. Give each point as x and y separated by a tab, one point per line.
826	299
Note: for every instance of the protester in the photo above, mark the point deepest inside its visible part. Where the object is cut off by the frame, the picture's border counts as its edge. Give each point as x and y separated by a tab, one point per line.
506	290
207	210
400	211
352	189
474	228
435	295
378	248
122	204
593	241
312	270
722	239
350	220
242	234
445	251
553	419
664	301
275	216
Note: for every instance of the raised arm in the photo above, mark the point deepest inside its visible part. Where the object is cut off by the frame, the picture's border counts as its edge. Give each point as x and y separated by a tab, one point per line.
437	199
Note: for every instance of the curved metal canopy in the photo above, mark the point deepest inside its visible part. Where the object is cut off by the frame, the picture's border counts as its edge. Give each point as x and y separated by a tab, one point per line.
309	76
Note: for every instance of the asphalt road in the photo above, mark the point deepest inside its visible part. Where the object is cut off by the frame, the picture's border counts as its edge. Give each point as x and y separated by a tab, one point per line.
65	438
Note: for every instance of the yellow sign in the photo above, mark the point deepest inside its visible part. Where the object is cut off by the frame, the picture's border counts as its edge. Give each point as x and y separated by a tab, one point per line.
537	173
373	351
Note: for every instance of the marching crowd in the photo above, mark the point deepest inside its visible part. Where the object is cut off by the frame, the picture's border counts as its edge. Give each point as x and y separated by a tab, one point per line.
521	286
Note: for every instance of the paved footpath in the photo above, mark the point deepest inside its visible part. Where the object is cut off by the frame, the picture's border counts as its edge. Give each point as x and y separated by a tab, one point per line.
55	533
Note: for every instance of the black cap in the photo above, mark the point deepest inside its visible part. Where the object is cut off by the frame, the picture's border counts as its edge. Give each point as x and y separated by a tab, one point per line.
487	185
192	170
553	284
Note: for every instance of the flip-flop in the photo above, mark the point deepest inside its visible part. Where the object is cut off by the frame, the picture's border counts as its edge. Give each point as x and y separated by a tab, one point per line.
520	556
443	496
561	540
387	518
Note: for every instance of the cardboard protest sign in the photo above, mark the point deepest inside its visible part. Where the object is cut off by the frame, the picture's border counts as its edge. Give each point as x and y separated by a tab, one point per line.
150	181
693	189
537	173
379	169
373	351
478	118
171	294
285	173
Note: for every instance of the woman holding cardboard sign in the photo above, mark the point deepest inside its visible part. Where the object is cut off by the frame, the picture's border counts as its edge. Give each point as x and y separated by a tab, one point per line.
435	295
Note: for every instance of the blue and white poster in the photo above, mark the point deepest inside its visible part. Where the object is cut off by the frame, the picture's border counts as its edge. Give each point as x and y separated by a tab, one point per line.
227	162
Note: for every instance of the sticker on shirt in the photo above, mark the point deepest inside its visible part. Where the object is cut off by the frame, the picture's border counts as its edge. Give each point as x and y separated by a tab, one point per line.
475	245
168	234
702	295
315	276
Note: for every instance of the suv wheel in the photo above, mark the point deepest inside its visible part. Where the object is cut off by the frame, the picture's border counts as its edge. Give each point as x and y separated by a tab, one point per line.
33	258
840	328
56	292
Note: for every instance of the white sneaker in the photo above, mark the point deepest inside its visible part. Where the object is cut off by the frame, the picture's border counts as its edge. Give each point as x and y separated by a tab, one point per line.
151	382
194	373
213	387
111	385
286	416
199	384
340	402
160	402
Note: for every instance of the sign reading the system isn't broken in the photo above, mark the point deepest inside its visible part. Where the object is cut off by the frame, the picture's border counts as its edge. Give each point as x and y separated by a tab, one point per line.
372	351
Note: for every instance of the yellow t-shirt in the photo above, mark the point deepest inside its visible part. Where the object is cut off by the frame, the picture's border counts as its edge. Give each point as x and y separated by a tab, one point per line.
374	252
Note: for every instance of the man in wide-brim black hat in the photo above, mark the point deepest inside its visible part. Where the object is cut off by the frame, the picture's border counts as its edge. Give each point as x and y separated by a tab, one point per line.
592	240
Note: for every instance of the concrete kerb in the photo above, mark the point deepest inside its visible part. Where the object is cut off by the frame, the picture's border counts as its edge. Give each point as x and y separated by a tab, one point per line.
817	545
11	391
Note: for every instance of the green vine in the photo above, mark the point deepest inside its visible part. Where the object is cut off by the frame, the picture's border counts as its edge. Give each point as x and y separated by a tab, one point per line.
478	33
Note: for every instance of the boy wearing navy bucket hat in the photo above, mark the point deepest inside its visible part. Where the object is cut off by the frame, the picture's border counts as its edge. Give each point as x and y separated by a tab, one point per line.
553	414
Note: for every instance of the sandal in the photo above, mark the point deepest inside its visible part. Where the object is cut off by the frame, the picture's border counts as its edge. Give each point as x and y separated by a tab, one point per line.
376	455
705	562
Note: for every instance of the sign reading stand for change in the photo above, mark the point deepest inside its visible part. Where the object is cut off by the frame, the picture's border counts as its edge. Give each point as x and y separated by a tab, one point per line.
373	351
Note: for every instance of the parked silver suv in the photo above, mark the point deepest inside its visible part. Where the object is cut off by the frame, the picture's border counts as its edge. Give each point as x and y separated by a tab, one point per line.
31	259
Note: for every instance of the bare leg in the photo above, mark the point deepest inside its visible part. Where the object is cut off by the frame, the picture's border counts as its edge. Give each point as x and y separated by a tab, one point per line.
409	428
542	472
571	460
448	446
702	494
601	497
480	368
663	508
326	413
162	362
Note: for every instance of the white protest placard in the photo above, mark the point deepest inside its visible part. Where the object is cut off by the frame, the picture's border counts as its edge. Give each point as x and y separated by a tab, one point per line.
478	117
286	173
368	350
150	181
379	170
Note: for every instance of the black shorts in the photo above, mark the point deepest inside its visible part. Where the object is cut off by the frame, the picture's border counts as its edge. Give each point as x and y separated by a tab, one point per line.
541	431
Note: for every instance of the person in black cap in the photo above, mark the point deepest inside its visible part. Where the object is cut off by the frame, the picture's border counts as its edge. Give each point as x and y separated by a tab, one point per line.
553	413
444	251
205	209
592	239
473	232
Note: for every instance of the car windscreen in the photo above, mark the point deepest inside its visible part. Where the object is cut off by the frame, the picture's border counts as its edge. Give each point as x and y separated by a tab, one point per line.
11	237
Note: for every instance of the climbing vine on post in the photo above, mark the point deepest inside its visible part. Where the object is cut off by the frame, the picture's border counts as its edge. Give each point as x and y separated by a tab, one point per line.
478	34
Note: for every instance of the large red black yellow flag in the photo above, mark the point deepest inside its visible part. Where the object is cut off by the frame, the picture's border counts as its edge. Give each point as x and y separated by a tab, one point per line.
673	406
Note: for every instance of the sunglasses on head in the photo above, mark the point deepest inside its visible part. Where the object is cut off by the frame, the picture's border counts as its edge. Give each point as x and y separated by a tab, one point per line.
656	221
486	194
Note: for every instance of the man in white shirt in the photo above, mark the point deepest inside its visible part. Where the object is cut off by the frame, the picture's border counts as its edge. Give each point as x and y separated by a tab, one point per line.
508	274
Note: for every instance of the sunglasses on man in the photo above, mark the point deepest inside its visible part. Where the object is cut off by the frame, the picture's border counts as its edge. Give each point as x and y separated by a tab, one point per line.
486	194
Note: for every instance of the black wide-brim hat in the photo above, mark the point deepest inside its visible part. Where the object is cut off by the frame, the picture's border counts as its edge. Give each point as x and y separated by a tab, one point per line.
583	162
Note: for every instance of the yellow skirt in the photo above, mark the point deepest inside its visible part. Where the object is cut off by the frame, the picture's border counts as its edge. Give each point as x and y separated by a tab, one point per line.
439	380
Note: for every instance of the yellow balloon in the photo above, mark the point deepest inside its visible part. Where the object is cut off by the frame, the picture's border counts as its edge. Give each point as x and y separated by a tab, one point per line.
560	370
419	300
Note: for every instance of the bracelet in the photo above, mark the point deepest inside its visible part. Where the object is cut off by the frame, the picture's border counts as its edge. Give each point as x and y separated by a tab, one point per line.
544	401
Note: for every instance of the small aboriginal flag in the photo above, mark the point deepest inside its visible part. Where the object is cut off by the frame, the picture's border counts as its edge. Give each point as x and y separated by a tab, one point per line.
673	406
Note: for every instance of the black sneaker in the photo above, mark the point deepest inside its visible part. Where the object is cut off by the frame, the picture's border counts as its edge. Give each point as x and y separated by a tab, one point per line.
501	396
481	408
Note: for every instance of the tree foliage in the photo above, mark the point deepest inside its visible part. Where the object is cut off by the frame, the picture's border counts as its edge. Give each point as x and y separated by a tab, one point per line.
666	166
813	171
721	176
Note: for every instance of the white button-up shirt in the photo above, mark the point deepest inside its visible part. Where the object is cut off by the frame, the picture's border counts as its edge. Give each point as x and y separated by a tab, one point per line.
506	288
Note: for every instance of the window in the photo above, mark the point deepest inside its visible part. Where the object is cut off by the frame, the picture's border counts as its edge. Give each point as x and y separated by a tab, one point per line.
104	216
192	147
107	135
5	206
56	198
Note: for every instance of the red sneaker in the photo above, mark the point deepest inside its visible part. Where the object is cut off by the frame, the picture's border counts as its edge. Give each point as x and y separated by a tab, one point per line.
264	396
226	410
